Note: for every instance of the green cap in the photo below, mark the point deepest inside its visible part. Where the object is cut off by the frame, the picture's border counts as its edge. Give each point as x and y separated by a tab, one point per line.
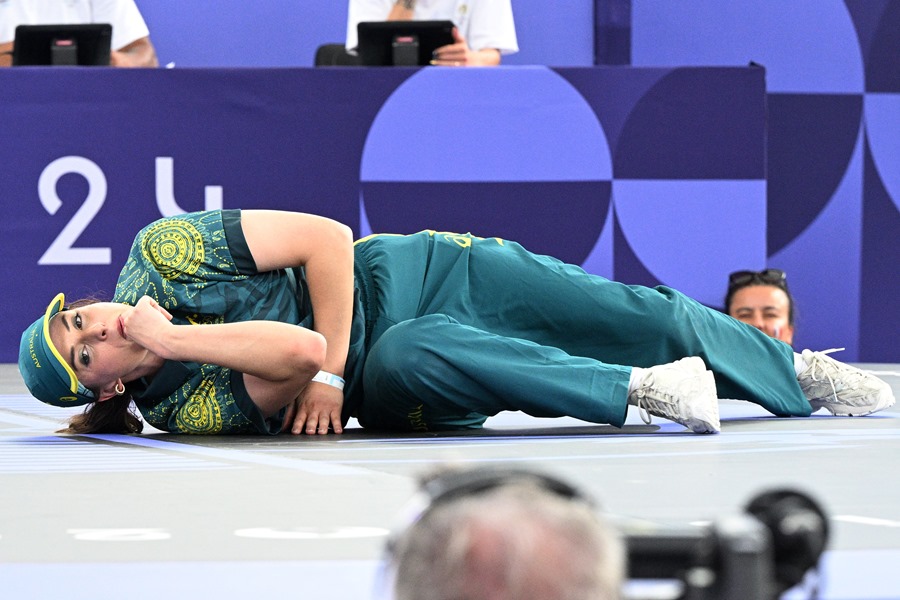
48	376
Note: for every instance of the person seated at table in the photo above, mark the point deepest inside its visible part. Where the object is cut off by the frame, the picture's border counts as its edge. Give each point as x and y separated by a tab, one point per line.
131	45
762	299
484	31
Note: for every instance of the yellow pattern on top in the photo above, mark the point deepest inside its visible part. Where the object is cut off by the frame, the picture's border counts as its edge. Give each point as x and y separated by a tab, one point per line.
174	246
201	413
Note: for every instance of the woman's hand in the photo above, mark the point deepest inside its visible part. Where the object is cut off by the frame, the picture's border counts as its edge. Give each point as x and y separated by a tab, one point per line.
139	53
275	358
145	323
458	54
316	408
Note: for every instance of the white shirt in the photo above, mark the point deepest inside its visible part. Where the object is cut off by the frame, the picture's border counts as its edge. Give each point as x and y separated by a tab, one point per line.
483	23
127	23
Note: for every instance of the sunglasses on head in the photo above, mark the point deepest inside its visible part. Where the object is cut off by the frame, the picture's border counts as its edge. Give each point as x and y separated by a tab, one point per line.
770	276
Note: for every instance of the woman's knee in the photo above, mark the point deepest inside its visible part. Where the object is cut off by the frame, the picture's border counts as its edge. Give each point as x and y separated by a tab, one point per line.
402	351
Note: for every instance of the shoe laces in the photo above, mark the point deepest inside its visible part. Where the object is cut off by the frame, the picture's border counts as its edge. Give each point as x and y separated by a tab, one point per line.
645	403
817	361
642	410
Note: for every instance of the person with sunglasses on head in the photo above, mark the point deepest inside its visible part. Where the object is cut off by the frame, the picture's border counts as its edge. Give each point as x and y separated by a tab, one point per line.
762	299
258	321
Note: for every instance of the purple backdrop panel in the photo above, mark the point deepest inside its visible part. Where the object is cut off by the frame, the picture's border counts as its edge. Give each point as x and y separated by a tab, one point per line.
689	234
687	126
823	266
610	101
506	124
811	139
560	218
880	322
878	28
92	155
682	124
832	66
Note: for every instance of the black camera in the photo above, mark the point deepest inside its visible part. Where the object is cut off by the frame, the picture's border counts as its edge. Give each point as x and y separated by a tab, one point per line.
756	555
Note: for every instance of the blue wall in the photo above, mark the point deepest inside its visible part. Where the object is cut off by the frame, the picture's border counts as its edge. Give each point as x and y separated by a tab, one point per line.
833	208
531	153
286	33
832	211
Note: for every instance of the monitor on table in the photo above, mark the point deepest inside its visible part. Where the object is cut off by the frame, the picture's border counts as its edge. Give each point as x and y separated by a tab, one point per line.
401	43
62	45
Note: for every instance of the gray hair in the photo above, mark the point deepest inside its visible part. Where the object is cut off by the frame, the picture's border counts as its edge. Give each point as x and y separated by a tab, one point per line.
519	541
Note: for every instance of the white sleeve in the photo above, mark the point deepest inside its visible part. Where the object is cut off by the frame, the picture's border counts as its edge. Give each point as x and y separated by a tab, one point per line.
491	25
365	10
126	20
8	22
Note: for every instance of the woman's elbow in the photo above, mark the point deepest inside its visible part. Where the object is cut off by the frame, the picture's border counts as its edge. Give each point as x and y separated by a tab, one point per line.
343	234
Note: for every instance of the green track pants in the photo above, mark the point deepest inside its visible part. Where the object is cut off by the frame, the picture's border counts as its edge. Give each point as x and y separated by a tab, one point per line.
459	328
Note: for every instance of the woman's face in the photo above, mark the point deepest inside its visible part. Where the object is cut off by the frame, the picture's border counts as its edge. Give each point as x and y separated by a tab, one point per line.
91	340
766	307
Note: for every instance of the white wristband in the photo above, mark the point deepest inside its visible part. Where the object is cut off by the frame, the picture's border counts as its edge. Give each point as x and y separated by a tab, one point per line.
329	379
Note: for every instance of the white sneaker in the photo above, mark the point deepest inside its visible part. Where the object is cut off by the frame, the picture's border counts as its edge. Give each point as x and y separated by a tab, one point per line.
840	388
682	391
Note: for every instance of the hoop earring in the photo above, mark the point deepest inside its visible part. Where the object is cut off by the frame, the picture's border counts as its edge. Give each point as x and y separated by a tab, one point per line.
120	388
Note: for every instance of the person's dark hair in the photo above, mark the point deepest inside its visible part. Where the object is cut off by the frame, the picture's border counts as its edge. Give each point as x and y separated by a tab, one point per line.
773	277
116	415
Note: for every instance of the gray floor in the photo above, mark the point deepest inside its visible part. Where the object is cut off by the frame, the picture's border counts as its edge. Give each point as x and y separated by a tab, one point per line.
157	515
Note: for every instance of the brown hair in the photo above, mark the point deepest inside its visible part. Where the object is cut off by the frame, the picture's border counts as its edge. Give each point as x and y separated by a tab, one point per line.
115	415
